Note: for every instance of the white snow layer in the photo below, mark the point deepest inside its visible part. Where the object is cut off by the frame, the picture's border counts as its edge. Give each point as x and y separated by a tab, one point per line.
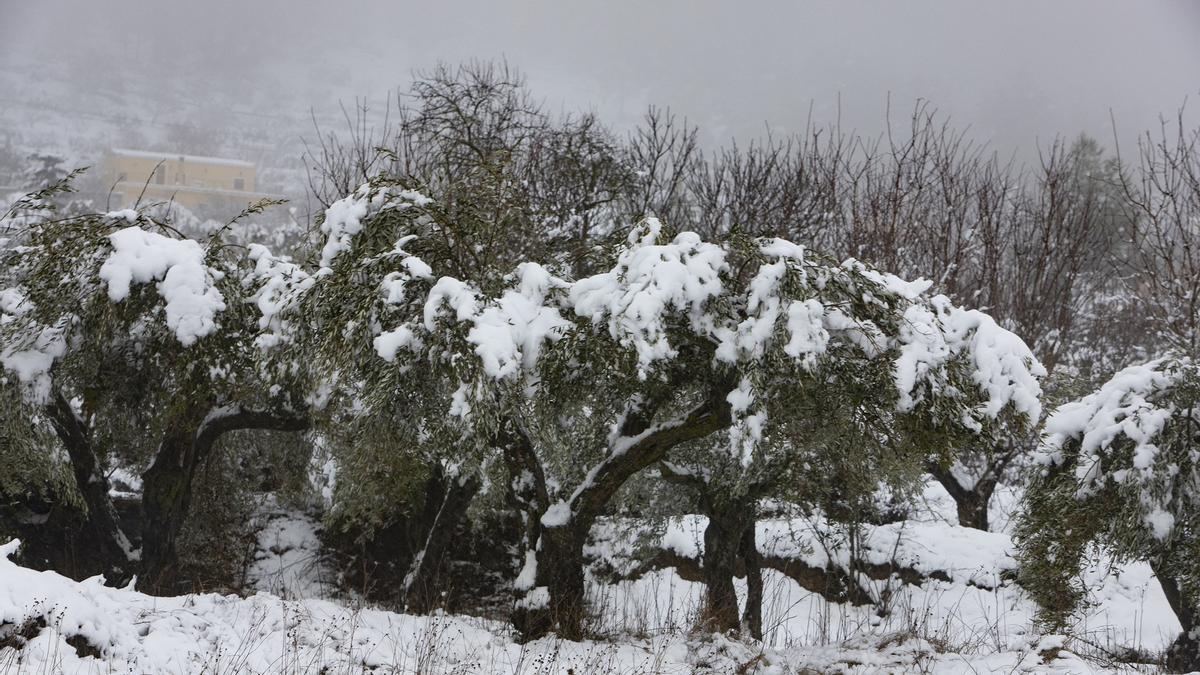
288	560
30	359
185	282
940	627
1122	406
344	218
1131	406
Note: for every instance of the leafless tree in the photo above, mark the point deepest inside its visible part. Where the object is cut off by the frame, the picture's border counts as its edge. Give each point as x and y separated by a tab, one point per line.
1163	197
662	152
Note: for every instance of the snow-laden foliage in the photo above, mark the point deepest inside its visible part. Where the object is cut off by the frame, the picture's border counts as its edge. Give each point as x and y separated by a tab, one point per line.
653	284
326	309
102	291
344	218
796	303
37	479
580	383
1118	437
1119	467
803	306
29	356
184	281
277	279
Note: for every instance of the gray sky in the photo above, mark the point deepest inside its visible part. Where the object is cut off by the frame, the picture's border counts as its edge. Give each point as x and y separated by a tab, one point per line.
1016	72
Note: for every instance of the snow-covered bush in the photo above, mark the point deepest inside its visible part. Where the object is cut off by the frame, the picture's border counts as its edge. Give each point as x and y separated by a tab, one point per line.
138	345
1120	468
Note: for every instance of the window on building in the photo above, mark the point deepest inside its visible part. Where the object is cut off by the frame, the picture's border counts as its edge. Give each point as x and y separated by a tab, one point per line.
239	184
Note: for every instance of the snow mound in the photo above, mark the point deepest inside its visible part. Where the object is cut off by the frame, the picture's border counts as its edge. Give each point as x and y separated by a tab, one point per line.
58	625
185	282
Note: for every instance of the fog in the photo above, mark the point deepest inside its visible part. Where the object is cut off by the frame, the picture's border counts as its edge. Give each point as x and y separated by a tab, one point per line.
1017	73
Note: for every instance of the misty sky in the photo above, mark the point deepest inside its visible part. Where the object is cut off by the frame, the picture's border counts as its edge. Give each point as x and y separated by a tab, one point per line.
1016	72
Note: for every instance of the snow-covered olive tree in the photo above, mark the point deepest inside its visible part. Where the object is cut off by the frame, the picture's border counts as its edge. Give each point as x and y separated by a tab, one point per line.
391	421
1120	468
576	385
849	379
137	346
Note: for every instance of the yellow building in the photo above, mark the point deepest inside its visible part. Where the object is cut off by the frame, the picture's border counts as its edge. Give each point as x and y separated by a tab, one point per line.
197	183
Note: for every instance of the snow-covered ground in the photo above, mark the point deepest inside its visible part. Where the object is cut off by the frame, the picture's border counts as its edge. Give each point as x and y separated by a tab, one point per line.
263	633
288	561
49	623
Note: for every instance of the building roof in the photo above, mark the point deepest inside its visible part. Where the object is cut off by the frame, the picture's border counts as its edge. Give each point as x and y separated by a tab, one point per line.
145	154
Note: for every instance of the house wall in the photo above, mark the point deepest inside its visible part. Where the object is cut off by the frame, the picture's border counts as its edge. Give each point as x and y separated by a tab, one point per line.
191	182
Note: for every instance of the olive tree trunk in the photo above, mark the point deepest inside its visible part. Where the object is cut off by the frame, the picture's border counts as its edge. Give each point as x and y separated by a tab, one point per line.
167	484
752	615
722	542
422	583
729	546
555	601
107	548
1184	654
972	503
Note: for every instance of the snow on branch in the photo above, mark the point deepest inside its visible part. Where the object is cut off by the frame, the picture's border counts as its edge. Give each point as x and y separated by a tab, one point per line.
185	281
30	349
281	283
649	281
1133	433
344	218
664	297
1001	365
